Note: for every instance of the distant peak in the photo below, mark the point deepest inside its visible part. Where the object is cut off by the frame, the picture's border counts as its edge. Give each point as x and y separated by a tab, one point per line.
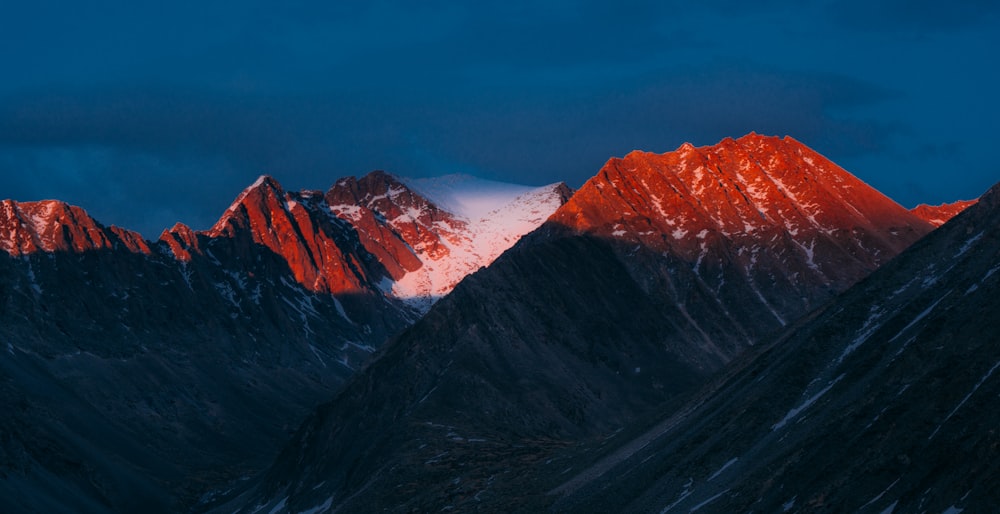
938	215
265	181
261	186
53	225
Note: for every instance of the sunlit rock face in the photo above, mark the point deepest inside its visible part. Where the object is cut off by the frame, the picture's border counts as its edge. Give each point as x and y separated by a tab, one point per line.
938	215
756	214
884	401
52	226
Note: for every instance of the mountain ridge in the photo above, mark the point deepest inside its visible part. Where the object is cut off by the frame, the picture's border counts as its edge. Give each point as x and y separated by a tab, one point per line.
880	402
582	327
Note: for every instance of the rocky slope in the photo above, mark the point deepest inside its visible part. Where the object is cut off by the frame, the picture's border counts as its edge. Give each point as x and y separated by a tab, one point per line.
883	401
132	381
655	274
138	375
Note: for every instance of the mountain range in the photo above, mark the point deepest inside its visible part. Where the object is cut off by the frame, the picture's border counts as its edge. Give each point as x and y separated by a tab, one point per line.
136	374
479	346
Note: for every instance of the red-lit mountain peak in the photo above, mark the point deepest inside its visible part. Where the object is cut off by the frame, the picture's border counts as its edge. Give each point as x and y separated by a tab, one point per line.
182	241
938	215
50	226
297	227
774	208
395	219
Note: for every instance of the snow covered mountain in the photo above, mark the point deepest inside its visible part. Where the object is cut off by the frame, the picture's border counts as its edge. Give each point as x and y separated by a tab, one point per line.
435	231
654	275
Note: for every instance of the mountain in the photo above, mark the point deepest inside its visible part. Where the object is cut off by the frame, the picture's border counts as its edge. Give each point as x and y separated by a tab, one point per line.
882	401
133	381
51	226
655	274
431	233
138	375
938	215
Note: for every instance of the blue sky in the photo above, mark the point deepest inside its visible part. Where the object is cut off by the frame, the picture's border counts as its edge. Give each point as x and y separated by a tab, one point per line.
147	114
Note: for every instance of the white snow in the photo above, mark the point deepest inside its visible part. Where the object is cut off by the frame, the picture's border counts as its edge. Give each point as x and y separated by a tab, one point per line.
325	506
879	497
684	494
867	329
789	505
277	508
919	317
961	403
805	404
723	468
890	508
495	216
706	502
32	280
968	244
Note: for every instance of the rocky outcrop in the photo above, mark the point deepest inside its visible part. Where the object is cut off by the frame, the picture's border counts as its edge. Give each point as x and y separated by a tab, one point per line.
54	226
938	215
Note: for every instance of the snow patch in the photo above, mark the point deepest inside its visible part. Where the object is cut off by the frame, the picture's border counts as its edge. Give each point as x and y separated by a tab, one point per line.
706	502
325	506
805	405
278	508
961	403
684	494
723	468
890	508
482	239
879	497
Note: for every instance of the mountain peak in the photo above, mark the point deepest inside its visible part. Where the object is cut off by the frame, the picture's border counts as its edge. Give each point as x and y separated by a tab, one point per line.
777	209
52	225
938	215
182	241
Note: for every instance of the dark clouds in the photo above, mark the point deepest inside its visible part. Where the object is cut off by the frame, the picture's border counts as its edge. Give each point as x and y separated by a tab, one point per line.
150	116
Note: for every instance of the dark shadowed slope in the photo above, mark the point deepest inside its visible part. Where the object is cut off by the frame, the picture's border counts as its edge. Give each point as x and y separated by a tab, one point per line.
886	401
655	274
138	375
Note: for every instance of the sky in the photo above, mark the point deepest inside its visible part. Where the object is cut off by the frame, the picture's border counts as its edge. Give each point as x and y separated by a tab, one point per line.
147	114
